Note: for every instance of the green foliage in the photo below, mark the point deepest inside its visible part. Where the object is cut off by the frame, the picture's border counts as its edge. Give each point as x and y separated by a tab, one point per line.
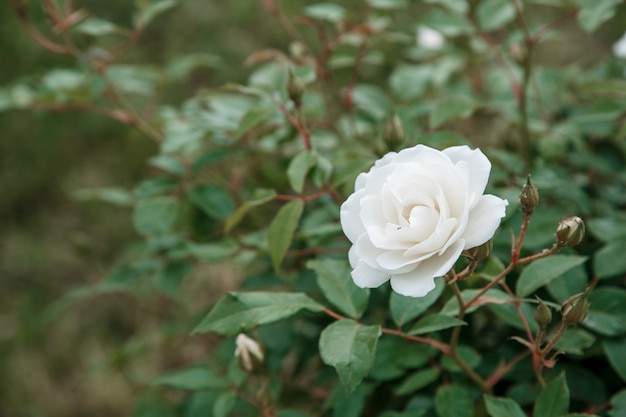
238	212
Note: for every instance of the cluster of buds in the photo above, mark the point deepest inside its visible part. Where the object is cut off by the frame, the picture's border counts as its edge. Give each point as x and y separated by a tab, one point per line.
248	353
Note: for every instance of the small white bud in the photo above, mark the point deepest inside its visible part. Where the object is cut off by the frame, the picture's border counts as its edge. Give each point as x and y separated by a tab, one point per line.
248	353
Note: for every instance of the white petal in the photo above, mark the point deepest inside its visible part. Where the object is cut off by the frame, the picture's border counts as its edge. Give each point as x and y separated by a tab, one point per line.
350	217
365	276
420	281
483	220
475	163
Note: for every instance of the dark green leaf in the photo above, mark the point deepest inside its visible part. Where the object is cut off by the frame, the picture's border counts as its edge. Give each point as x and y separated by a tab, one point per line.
253	118
299	167
261	196
542	271
503	407
224	403
350	347
239	312
215	251
212	200
156	215
619	404
492	296
607	311
196	378
615	350
553	400
453	401
333	278
404	309
435	322
610	260
575	340
282	229
471	357
417	381
148	10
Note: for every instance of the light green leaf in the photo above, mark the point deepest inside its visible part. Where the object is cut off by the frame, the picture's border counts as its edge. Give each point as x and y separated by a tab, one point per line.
111	195
98	27
214	251
453	401
351	348
452	108
417	381
260	197
542	271
299	167
615	350
325	11
409	82
575	340
333	278
253	118
282	229
618	401
493	296
156	215
493	14
610	261
471	357
169	164
224	403
387	4
503	407
404	309
458	6
147	10
593	12
212	200
449	23
435	322
195	379
372	100
553	400
240	312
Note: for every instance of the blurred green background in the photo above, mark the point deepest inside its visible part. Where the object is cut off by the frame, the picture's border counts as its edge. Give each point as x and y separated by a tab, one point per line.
74	362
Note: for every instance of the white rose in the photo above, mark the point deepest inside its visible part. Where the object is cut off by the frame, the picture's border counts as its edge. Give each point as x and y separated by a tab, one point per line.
414	212
429	38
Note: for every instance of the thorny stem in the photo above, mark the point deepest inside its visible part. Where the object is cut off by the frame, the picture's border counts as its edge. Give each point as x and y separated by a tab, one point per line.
296	123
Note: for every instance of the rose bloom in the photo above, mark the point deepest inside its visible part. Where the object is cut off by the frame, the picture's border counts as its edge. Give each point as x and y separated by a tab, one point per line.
414	212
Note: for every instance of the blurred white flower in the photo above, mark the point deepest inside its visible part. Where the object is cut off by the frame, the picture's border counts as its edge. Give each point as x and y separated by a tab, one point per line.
428	38
248	353
619	47
414	212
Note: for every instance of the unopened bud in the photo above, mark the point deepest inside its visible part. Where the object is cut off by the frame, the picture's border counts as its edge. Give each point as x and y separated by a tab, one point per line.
574	310
295	88
480	252
529	197
570	231
393	131
543	314
248	353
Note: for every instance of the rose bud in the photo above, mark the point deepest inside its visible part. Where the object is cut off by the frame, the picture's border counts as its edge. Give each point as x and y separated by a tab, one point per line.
543	314
480	252
393	131
574	310
570	232
248	353
529	197
295	89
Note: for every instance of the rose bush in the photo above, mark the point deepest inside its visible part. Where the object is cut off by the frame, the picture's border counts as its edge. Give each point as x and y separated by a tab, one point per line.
414	212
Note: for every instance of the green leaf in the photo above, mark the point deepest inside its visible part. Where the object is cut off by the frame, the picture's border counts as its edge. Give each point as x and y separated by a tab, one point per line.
542	271
212	200
404	309
195	379
148	10
260	197
618	401
493	14
449	23
372	100
435	322
299	167
471	357
325	11
409	82
458	6
169	164
503	407
240	312
453	401
417	381
333	278
350	347
452	108
553	400
98	27
156	215
607	310
111	195
214	251
282	229
224	403
607	229
252	119
610	260
387	4
574	341
593	12
615	350
492	296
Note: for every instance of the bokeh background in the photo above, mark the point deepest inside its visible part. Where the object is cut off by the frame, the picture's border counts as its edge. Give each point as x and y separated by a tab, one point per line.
75	361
